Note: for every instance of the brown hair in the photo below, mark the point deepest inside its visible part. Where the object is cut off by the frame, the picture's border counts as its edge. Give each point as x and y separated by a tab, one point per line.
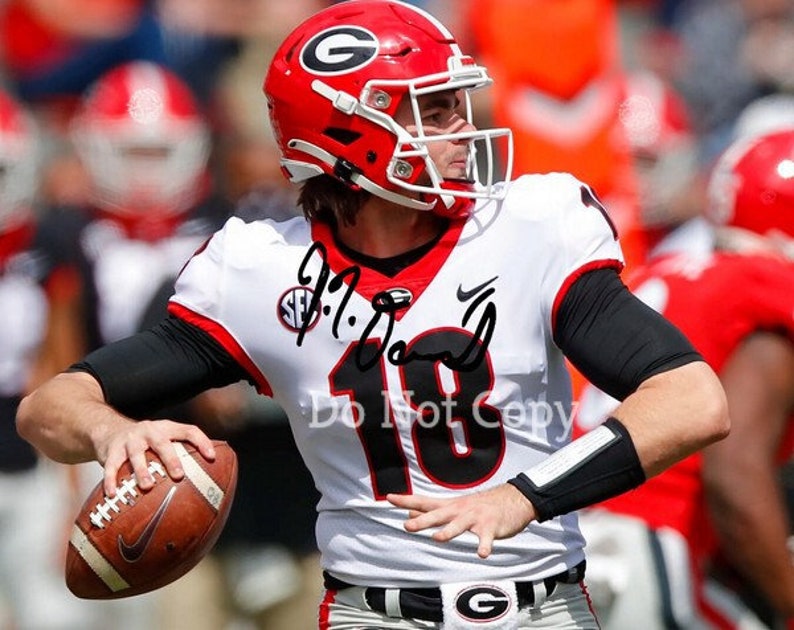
326	199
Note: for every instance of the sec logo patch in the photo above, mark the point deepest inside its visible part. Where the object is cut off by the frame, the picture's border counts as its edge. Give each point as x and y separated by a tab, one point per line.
339	50
295	309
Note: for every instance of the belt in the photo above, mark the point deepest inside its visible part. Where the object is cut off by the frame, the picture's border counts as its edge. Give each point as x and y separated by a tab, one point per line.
425	603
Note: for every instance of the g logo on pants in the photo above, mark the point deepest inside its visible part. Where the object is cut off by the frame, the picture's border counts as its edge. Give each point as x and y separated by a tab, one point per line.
482	603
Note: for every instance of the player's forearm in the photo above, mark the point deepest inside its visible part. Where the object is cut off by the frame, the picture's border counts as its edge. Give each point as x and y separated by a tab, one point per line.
674	414
651	430
749	516
66	417
740	473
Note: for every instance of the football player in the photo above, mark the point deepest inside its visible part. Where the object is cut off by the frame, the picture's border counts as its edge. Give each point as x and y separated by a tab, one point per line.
145	145
663	148
722	511
414	327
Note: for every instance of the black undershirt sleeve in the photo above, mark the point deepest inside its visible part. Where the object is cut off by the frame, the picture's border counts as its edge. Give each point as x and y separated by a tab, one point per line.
613	338
163	365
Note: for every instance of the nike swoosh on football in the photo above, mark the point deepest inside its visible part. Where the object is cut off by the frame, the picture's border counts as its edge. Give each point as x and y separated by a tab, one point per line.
464	296
133	552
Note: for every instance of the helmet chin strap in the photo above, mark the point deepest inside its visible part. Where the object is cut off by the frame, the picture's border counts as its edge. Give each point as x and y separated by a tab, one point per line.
359	179
390	195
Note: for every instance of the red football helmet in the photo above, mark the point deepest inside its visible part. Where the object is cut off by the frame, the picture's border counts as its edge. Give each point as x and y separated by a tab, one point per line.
752	186
18	163
334	86
143	141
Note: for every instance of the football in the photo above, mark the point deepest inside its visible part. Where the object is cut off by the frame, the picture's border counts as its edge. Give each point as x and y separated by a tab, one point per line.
139	541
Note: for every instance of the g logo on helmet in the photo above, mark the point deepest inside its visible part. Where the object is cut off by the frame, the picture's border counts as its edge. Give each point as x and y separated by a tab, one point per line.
339	50
482	603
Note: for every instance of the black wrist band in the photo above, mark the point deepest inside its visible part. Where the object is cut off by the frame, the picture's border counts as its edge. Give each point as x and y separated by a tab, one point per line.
597	466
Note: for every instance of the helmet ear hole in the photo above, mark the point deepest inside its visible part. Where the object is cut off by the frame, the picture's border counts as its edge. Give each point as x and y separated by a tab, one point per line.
343	136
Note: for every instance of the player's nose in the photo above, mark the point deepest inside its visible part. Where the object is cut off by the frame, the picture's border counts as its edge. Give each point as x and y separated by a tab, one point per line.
460	125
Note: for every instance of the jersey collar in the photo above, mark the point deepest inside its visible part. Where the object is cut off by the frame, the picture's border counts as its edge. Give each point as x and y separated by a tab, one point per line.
415	277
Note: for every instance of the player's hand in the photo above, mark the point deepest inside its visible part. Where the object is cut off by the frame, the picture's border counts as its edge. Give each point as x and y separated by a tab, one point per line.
493	514
131	440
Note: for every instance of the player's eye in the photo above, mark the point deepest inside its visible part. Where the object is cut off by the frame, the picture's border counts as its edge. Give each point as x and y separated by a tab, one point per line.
434	118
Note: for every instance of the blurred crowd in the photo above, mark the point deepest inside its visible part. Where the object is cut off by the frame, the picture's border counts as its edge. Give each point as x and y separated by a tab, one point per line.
131	129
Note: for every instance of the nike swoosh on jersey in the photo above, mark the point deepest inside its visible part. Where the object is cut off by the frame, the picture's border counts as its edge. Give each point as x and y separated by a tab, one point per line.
133	552
464	296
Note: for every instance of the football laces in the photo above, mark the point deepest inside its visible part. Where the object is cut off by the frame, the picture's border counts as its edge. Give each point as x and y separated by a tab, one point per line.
126	493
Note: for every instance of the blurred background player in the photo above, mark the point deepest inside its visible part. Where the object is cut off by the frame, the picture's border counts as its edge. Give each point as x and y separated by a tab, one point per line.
652	549
669	181
32	492
145	147
752	192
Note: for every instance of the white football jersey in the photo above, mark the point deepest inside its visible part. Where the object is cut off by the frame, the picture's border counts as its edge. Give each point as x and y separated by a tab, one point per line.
127	272
441	380
25	308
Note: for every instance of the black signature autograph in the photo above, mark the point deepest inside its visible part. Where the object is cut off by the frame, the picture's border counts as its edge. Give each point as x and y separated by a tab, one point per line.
383	305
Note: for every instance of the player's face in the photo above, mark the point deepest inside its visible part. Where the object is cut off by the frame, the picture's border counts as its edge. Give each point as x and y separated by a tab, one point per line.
441	113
